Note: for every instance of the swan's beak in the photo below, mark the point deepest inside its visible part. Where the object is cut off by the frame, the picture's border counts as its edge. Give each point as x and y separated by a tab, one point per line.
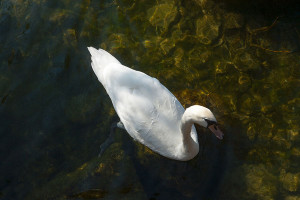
215	129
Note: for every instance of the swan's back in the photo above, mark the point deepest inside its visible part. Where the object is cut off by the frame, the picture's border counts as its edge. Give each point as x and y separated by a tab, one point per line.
150	113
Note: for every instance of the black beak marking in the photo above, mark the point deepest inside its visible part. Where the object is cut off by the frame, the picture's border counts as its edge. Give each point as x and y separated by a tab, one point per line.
210	122
215	126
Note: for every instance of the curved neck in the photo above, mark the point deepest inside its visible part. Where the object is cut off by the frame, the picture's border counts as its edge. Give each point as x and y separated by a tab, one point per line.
193	115
186	127
190	141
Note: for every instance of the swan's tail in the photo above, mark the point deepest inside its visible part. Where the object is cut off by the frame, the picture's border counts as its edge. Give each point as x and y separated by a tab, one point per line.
100	60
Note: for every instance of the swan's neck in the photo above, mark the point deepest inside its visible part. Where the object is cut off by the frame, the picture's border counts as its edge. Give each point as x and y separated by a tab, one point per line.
186	128
190	143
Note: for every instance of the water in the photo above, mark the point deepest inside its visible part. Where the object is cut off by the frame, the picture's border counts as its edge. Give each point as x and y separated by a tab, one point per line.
241	61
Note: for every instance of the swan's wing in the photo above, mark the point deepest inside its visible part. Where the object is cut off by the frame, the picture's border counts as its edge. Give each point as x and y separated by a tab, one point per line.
150	113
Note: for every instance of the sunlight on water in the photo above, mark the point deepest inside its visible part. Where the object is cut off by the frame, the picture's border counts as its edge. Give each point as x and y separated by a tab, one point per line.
241	61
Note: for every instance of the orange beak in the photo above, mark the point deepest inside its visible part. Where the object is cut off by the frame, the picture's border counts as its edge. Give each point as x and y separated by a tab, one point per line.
215	129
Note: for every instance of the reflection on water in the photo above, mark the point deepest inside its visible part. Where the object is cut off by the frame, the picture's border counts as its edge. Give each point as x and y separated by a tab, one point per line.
241	63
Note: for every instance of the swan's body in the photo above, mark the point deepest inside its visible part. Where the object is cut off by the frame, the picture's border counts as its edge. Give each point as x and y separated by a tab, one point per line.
150	113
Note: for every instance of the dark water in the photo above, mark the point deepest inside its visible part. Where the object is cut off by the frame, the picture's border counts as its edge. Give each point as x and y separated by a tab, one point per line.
241	60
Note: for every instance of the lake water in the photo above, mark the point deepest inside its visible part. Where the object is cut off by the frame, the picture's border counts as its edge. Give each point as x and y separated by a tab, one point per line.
241	60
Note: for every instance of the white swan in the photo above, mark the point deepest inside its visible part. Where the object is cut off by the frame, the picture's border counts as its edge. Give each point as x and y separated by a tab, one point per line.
149	112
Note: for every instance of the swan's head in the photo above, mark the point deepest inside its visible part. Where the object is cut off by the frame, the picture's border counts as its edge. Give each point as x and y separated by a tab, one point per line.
204	117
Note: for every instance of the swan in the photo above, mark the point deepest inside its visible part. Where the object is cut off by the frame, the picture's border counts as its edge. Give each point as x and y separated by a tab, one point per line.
149	112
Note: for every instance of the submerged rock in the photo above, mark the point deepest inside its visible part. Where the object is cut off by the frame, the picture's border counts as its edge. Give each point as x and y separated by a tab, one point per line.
207	28
251	182
248	104
252	131
198	56
178	57
162	15
260	181
246	62
290	181
80	108
233	20
116	42
280	139
70	37
261	128
244	82
166	45
292	198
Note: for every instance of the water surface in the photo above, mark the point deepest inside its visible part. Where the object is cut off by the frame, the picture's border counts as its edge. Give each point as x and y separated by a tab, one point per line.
240	60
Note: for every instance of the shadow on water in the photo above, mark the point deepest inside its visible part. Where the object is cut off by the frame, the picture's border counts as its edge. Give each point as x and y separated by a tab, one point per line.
163	178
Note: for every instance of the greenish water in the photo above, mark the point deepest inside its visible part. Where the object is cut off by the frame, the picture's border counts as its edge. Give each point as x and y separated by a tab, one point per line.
242	61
